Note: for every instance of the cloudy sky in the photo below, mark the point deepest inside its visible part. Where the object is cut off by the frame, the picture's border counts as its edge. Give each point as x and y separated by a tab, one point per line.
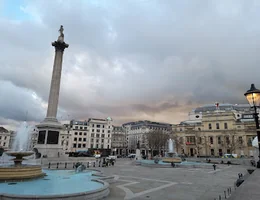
128	59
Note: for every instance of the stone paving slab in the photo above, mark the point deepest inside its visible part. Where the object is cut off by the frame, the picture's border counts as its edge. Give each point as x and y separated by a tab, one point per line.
169	183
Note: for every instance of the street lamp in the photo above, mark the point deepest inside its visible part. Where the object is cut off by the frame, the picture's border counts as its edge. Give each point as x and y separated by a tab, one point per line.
253	97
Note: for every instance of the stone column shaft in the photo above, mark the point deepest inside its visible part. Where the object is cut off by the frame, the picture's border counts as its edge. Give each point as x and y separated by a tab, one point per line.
55	85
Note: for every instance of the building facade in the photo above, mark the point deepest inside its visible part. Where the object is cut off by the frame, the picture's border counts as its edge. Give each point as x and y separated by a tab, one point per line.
136	132
5	138
119	142
94	134
215	132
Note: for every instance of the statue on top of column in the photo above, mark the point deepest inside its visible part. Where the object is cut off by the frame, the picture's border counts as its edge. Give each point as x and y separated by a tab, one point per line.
61	37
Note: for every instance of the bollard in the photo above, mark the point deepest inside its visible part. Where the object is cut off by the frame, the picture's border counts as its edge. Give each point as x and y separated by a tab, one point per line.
65	165
225	194
219	198
49	165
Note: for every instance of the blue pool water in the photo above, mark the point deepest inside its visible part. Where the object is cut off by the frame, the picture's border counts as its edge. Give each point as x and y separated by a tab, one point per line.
56	182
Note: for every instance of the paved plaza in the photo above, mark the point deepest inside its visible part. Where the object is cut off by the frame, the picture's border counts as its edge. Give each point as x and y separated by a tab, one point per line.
138	182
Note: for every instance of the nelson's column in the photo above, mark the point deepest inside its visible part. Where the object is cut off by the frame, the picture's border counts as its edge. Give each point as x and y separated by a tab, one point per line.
49	130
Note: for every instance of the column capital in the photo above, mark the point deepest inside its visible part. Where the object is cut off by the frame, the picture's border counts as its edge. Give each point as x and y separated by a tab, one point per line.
60	46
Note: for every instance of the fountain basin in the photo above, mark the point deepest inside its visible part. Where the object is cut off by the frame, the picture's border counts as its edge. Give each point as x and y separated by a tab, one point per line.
172	160
23	172
161	164
58	184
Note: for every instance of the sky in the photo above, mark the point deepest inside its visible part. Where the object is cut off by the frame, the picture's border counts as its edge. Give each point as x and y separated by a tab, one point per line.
130	60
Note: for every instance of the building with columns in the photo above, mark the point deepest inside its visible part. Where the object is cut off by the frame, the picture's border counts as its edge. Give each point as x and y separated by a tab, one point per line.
215	132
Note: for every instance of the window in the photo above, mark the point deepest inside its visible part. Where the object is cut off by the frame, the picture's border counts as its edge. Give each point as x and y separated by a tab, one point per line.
240	139
80	128
97	135
98	130
5	137
108	146
227	140
200	140
212	152
76	133
74	145
211	140
103	135
199	129
219	140
210	127
92	134
102	146
102	140
97	140
85	133
191	139
75	139
103	131
80	133
84	139
91	146
85	128
98	126
83	145
180	129
76	127
108	131
108	135
103	126
93	130
108	126
225	126
217	125
93	125
80	139
97	146
79	145
4	144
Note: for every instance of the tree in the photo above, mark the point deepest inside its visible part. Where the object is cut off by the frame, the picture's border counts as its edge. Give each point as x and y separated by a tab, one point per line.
179	142
234	141
156	140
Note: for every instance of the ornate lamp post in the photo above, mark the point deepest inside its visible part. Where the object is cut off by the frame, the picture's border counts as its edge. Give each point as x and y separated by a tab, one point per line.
253	97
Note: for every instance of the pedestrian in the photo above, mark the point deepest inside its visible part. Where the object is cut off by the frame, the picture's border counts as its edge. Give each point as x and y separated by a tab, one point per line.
214	166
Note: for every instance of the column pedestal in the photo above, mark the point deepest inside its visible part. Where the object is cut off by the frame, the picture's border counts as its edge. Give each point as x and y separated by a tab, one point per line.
49	139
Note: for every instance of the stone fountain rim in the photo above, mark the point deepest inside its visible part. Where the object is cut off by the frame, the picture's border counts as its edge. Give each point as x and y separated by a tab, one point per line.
24	153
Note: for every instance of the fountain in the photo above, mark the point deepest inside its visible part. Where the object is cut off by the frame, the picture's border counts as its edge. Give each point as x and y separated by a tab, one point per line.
172	156
19	171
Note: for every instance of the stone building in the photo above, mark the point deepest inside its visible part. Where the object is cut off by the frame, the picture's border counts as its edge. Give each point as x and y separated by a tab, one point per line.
94	134
4	138
215	132
65	138
119	142
136	131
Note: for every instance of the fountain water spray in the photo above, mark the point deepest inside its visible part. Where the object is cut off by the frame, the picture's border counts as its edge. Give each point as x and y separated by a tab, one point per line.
22	138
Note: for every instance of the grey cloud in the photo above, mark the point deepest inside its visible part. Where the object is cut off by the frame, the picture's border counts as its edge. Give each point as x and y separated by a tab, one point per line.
133	59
